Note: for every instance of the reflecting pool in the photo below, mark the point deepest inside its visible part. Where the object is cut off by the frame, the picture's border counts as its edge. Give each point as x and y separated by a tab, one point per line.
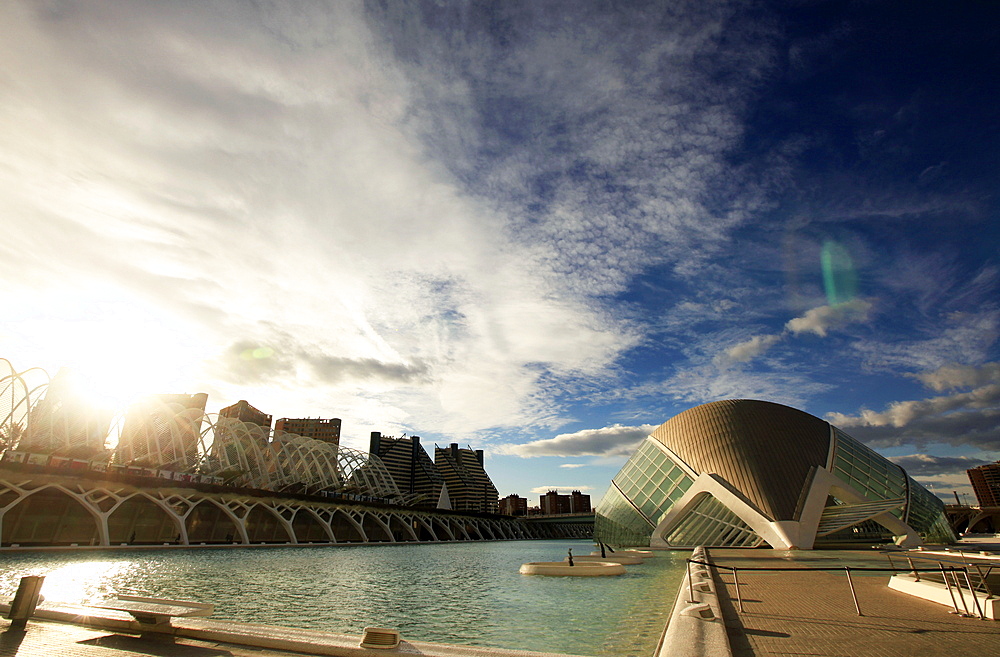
468	593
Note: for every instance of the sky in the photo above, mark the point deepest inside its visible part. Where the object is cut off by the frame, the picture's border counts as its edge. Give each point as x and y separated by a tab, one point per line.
540	229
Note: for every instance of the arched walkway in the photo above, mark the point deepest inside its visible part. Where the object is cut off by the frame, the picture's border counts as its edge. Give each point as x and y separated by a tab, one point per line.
309	529
207	523
263	526
50	516
140	521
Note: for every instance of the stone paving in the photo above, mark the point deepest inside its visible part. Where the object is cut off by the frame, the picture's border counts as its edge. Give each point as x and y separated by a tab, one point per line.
813	613
48	639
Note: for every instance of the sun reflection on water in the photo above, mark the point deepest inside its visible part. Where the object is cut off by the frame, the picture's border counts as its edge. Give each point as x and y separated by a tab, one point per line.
451	593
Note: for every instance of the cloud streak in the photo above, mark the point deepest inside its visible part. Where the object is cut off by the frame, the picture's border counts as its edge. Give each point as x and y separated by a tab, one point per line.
613	441
819	321
962	418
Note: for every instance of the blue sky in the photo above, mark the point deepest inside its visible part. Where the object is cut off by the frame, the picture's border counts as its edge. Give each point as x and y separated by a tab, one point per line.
537	228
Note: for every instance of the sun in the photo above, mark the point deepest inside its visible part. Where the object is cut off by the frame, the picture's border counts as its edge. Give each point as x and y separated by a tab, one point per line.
118	350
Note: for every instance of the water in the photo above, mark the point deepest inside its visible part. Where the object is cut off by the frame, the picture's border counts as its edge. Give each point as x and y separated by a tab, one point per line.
467	593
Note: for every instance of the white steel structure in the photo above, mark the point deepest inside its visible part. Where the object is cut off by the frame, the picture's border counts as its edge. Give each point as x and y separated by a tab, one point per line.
742	473
41	421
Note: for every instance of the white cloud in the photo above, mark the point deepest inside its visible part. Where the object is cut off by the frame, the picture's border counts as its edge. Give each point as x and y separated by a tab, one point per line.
960	418
927	465
262	175
822	319
818	320
751	348
958	337
562	490
950	377
616	440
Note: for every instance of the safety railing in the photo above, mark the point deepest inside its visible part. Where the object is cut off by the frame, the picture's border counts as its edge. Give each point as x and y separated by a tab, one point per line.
977	580
956	579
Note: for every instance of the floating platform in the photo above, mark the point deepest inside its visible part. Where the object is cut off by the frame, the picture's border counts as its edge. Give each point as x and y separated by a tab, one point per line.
578	569
617	557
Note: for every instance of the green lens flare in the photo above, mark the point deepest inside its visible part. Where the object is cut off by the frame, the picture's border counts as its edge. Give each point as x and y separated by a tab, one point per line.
839	277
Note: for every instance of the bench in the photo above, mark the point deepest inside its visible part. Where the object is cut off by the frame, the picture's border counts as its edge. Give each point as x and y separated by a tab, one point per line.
154	614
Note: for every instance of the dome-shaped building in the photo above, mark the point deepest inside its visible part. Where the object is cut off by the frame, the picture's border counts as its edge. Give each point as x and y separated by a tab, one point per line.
743	473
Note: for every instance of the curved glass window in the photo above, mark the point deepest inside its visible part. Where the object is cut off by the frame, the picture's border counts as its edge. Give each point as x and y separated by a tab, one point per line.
618	522
926	515
710	523
640	494
867	471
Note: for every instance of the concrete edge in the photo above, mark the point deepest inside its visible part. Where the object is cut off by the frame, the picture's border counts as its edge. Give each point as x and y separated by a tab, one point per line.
313	642
696	627
939	593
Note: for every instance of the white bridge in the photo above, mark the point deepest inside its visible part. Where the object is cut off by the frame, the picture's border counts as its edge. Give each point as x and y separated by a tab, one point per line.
40	507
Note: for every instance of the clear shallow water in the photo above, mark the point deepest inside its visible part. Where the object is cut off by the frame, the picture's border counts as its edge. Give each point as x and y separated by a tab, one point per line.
468	593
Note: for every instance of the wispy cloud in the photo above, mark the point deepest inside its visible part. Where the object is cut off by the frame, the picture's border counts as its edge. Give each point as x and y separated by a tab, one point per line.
564	490
961	418
819	321
927	465
616	440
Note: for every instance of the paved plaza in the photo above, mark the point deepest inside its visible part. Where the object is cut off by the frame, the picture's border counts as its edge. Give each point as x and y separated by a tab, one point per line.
813	612
49	639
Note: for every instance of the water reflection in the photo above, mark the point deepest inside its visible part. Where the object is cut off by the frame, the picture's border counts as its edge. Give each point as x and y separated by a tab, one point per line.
453	593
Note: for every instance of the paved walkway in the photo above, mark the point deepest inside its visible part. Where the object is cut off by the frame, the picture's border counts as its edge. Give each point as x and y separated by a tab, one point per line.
813	613
48	639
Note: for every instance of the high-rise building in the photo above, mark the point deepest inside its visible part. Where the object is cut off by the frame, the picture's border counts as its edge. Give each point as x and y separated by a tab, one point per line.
512	505
163	431
64	424
554	503
469	487
986	483
327	431
244	412
411	468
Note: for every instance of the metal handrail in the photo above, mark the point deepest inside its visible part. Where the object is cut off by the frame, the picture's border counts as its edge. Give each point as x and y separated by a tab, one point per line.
982	584
955	582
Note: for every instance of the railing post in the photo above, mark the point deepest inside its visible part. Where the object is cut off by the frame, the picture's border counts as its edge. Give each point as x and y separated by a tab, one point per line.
913	569
739	598
982	579
944	576
975	600
854	595
958	587
690	584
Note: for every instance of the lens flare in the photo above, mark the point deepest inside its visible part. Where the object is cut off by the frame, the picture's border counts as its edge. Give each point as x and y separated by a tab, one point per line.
839	278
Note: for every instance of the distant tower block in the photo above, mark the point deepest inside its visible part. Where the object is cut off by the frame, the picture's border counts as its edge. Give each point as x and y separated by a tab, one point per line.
246	413
985	482
163	431
469	487
410	466
327	431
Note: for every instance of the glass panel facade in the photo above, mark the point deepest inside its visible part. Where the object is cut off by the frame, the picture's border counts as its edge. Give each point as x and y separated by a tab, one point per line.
868	472
618	522
710	523
879	479
649	478
926	515
640	494
866	532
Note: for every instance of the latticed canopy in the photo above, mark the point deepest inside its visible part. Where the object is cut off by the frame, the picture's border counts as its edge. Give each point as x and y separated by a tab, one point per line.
40	416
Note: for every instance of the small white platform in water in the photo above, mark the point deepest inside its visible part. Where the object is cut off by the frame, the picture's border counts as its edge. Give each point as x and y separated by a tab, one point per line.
645	554
617	557
578	569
